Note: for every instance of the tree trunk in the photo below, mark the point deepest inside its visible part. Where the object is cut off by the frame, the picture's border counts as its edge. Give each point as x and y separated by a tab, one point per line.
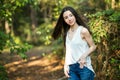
113	4
45	15
7	27
33	23
33	17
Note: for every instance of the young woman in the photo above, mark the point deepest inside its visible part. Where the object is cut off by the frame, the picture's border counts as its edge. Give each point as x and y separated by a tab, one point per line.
79	44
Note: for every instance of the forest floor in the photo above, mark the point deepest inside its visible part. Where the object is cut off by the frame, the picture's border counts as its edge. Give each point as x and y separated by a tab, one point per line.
40	65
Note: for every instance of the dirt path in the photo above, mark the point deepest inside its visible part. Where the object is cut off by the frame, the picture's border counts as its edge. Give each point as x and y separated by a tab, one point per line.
37	67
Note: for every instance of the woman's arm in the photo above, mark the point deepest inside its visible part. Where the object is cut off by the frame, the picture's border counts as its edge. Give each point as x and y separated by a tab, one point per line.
88	38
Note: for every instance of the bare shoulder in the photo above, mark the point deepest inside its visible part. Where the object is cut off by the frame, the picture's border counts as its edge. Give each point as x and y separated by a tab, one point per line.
85	31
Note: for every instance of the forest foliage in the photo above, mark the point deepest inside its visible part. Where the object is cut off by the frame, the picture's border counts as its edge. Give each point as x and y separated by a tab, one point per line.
27	23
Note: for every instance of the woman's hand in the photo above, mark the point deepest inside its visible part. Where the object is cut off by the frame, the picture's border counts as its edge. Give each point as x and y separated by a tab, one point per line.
66	71
82	62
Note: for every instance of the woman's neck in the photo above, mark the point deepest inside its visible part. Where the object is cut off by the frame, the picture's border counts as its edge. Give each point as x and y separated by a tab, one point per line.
74	27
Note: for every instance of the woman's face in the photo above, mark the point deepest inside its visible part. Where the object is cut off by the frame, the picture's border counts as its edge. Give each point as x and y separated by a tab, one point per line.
69	18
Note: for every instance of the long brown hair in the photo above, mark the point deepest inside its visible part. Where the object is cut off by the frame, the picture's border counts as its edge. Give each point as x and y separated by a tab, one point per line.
62	27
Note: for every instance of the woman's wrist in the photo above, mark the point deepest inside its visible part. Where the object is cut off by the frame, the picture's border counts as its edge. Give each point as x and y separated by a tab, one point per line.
82	57
65	65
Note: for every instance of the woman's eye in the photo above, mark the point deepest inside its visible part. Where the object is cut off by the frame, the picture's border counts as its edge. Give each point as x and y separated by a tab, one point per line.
70	15
65	17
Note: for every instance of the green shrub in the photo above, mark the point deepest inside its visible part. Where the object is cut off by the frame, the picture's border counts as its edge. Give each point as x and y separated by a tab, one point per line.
3	73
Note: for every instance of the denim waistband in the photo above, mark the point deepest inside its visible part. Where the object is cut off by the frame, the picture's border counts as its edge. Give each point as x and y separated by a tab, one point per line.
74	64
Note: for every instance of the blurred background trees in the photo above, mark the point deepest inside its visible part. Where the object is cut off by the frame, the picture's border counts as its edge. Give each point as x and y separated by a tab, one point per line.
27	23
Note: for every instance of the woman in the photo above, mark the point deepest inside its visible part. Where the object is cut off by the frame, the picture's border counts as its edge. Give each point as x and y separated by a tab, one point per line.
79	44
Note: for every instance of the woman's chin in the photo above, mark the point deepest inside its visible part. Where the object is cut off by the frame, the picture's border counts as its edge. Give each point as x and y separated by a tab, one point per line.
71	24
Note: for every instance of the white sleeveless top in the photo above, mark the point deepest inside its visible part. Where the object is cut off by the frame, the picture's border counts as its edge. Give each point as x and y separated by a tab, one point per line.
75	48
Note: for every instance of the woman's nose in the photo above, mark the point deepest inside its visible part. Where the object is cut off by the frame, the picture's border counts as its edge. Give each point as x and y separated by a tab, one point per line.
69	18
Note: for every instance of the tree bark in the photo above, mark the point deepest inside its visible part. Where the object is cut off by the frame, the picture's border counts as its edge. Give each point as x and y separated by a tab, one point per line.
113	4
33	17
7	27
34	24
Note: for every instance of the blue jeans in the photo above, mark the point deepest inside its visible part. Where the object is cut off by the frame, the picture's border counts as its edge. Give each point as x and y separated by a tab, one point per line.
77	73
